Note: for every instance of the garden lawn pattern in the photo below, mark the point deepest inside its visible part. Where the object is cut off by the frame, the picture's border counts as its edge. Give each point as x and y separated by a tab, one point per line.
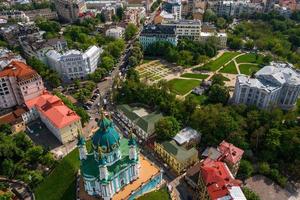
250	58
219	62
195	76
248	69
229	68
182	86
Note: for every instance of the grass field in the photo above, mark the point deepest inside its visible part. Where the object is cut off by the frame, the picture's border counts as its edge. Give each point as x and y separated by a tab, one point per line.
230	68
61	183
196	76
248	69
182	86
250	58
200	98
216	64
161	194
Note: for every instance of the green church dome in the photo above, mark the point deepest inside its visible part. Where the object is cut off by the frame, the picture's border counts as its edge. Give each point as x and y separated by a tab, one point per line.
106	137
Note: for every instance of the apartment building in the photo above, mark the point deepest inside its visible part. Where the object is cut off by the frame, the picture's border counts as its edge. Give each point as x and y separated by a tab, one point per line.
190	29
46	13
275	85
19	83
7	56
115	32
74	64
173	7
14	14
216	182
69	10
58	118
153	33
134	15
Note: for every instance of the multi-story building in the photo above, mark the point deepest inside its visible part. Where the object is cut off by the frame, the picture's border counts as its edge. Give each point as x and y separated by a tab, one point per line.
15	119
46	13
274	85
63	122
216	182
14	14
189	29
163	17
154	33
134	15
141	120
7	56
226	152
19	83
69	10
117	32
178	153
221	38
74	64
174	7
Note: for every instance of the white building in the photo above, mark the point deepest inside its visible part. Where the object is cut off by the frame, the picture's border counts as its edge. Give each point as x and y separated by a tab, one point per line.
7	56
117	32
174	7
190	29
19	83
74	64
274	85
221	38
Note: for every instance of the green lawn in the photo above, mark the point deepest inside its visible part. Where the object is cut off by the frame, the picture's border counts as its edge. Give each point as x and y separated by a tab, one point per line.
230	68
200	98
250	58
248	69
161	194
216	64
182	86
196	76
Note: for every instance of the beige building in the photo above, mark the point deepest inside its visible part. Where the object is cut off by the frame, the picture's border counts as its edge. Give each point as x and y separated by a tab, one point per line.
46	13
15	119
69	10
59	119
19	83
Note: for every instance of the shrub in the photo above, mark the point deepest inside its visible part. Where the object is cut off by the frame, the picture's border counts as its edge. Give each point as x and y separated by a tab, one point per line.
264	168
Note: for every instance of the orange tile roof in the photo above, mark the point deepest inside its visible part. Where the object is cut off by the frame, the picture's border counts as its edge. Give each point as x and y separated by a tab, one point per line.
230	152
54	109
12	117
217	178
19	70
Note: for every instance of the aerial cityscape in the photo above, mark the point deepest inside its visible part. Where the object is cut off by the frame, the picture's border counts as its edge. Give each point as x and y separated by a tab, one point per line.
150	100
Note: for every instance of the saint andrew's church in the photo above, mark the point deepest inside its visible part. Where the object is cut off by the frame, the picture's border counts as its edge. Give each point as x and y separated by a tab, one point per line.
113	163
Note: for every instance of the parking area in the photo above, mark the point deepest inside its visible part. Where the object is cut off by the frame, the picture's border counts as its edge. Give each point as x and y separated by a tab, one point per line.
41	135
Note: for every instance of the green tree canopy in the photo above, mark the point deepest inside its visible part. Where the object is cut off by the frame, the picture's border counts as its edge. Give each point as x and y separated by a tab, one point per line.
166	128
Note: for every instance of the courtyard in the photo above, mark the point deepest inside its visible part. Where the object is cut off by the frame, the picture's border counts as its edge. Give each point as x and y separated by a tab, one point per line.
152	71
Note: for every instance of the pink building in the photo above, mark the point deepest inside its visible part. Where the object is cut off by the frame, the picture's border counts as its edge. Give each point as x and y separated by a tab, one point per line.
63	122
291	4
19	83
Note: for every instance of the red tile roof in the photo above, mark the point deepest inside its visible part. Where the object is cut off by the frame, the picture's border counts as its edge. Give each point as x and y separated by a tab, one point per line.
13	117
230	153
54	109
217	178
19	70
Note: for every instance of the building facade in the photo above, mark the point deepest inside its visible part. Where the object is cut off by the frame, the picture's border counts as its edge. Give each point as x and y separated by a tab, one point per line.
46	13
117	32
19	83
69	10
173	7
275	85
63	123
74	64
189	29
221	38
7	56
154	33
112	169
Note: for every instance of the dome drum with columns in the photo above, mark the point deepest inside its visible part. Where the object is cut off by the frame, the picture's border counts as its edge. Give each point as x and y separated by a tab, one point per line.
112	164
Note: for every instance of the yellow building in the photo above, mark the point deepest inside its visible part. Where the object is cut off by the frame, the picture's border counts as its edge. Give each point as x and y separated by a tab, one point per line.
177	157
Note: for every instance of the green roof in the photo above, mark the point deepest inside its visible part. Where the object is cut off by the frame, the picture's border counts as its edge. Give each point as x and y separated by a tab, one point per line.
146	123
90	167
179	152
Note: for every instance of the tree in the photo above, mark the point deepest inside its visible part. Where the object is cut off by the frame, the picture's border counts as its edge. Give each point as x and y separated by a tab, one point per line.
235	43
107	62
132	61
209	16
8	168
218	79
249	45
218	94
130	31
272	140
221	23
166	128
120	12
245	170
33	154
264	168
249	194
6	129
